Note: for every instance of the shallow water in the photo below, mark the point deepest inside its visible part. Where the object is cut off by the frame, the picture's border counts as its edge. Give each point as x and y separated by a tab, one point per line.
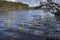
28	24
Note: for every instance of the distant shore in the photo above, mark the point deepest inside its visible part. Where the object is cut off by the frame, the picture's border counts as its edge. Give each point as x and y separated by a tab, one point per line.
5	6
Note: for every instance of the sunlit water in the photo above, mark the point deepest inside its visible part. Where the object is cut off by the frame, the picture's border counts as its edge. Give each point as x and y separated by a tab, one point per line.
26	24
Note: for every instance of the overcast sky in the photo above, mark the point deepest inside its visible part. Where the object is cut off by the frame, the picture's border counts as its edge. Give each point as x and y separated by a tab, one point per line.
31	2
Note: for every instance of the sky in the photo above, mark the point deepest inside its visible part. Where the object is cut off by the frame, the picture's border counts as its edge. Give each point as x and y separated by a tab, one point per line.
32	3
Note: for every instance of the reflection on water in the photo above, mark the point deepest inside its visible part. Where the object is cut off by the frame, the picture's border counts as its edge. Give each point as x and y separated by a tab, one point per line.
20	24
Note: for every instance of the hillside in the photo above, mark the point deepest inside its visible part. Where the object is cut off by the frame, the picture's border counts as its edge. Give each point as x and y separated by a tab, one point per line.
5	5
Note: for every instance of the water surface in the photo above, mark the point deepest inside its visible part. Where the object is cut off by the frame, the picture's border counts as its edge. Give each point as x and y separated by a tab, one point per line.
28	24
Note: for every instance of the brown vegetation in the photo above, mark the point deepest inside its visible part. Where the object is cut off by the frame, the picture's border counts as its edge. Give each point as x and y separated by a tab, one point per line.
4	5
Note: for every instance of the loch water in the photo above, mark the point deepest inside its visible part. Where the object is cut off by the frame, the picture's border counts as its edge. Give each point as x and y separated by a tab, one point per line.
28	25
